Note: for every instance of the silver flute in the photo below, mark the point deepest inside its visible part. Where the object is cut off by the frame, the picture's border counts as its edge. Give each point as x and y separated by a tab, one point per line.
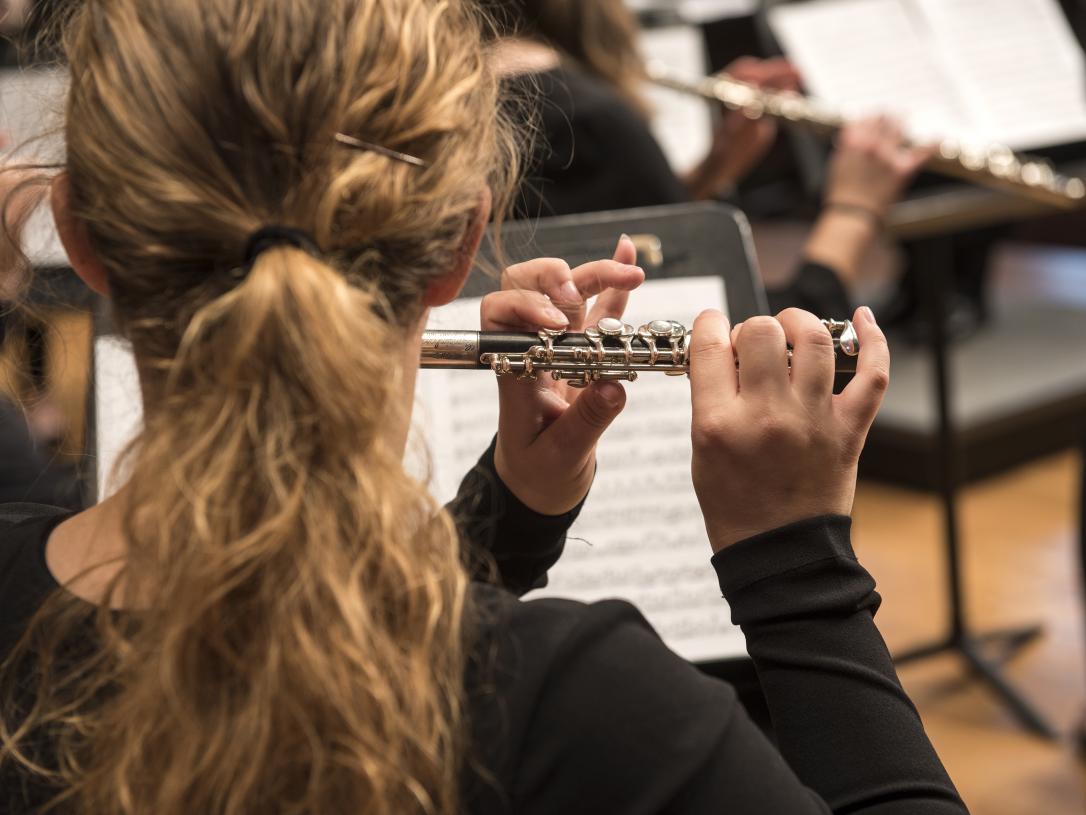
996	166
611	350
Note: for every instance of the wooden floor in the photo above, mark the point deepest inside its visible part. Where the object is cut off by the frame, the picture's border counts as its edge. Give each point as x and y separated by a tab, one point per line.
1021	567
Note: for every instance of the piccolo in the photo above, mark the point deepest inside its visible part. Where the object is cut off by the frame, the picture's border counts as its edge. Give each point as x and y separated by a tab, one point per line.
994	166
611	350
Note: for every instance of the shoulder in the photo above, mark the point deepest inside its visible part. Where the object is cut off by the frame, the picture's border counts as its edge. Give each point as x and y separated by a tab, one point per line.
25	580
595	711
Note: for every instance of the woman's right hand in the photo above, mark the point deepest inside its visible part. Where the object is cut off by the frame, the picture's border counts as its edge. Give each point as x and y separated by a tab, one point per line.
773	445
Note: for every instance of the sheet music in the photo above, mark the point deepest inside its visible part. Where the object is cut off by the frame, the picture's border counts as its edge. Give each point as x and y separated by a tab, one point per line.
640	536
705	11
864	57
31	113
118	408
681	124
1020	71
979	71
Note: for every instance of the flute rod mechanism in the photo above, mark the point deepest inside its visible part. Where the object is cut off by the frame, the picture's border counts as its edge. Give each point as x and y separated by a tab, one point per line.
995	166
610	350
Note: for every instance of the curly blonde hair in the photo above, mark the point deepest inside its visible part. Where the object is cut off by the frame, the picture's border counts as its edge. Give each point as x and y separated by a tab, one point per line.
300	639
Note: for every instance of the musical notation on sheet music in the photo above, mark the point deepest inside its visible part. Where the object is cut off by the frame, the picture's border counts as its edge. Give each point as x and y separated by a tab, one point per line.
640	536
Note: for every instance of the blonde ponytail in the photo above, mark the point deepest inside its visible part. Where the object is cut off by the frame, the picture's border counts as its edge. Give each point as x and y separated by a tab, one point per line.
300	639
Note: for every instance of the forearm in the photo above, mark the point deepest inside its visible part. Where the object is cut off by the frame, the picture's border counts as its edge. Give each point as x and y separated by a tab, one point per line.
502	538
843	721
841	240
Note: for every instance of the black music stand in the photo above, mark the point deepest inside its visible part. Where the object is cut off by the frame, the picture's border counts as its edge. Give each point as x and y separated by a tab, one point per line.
681	240
966	450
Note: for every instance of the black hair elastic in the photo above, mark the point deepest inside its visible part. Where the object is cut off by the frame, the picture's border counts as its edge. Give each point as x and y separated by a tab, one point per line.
275	235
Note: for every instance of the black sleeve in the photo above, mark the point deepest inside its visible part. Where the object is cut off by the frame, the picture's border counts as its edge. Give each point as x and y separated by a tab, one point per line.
623	725
815	288
504	540
842	719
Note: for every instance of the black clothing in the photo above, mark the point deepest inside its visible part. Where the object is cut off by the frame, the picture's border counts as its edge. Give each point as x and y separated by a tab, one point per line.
25	473
593	152
581	709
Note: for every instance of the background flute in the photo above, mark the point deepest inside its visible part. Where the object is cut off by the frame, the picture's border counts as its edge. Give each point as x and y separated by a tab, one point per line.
996	166
610	350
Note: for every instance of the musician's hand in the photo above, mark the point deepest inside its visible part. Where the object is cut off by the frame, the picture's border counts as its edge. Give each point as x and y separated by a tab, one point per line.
547	431
772	447
739	142
872	165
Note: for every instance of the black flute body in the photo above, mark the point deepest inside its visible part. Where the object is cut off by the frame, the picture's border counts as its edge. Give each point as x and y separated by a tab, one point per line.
610	350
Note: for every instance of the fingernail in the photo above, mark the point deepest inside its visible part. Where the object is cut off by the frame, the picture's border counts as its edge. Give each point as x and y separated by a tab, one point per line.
556	315
568	293
869	315
625	237
611	393
635	270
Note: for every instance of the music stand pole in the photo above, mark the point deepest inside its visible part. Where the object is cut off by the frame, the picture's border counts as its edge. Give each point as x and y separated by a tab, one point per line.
934	260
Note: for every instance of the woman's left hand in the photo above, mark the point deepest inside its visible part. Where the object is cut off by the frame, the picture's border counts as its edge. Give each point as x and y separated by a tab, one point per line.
547	431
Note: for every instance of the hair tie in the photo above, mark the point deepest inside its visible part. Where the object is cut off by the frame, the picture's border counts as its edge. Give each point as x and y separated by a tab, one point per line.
275	235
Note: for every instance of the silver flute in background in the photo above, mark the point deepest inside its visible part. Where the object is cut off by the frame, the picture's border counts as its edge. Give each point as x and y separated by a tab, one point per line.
994	166
610	350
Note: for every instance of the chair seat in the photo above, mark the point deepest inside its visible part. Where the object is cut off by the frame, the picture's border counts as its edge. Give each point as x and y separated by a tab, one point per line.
1018	391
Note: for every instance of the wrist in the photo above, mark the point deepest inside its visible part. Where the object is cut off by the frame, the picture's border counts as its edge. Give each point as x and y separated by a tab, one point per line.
550	498
711	179
873	215
840	242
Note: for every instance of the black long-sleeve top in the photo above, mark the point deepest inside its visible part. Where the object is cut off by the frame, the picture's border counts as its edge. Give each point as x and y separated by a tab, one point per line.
580	708
593	152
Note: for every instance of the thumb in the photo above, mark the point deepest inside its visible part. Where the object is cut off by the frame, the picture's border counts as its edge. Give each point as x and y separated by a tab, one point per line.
577	431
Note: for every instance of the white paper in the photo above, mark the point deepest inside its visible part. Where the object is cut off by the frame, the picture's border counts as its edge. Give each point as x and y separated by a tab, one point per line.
704	11
640	536
698	11
864	57
118	408
681	124
31	115
1018	68
978	71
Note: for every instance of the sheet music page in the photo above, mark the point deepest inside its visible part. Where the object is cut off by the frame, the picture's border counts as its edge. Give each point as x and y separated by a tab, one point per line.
640	536
118	407
706	11
681	124
31	111
1018	67
872	56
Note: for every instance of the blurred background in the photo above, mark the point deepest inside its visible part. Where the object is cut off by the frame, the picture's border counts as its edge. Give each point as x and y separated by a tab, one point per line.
971	506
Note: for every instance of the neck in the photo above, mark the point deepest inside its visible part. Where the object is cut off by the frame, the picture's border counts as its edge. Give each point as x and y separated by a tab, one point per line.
86	552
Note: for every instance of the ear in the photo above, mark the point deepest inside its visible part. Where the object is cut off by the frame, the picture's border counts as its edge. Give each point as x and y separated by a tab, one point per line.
447	287
73	234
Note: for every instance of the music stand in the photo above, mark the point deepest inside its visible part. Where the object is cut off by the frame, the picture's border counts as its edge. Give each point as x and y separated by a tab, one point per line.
686	240
682	240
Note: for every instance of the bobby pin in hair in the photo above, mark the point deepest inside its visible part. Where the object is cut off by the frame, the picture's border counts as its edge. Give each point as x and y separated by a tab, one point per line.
358	144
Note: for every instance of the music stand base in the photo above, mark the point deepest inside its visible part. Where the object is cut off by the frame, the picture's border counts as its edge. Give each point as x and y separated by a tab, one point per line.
968	646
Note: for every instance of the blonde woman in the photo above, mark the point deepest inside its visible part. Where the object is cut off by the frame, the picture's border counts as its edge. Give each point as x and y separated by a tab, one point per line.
272	616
